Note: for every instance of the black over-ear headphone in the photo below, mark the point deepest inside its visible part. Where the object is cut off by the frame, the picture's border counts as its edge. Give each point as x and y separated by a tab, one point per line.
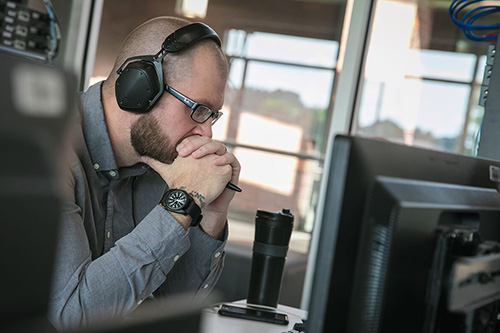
140	79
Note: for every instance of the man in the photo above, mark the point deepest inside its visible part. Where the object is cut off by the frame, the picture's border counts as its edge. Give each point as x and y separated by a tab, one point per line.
120	242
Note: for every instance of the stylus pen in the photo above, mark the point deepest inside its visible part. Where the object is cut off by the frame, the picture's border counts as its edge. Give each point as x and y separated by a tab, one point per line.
233	187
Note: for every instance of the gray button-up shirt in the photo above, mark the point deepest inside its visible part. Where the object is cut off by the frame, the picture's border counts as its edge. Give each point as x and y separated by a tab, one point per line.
117	246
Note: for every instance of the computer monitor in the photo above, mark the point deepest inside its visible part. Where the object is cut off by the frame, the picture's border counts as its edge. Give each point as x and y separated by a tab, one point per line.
408	241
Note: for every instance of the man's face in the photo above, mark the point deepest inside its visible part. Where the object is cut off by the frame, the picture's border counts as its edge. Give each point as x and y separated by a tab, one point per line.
156	134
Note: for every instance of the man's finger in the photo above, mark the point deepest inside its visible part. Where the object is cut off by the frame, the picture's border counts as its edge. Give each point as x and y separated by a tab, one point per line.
191	144
210	148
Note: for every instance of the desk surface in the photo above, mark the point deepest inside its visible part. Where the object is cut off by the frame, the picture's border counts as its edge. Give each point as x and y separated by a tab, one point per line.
215	323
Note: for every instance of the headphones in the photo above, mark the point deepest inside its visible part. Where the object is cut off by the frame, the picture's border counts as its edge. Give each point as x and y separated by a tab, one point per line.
140	79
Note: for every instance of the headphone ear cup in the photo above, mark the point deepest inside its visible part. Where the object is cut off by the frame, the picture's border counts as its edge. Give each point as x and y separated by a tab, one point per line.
137	87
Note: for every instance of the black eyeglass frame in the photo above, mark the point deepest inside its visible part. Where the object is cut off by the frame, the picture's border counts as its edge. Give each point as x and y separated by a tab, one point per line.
215	115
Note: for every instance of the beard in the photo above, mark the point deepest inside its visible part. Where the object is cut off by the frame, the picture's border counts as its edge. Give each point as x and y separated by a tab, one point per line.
148	140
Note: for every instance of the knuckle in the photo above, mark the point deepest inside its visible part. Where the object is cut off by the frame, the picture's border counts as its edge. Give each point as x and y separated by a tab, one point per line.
188	144
203	149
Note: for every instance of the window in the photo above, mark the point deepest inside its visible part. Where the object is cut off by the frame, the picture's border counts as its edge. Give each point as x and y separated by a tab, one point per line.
416	91
277	107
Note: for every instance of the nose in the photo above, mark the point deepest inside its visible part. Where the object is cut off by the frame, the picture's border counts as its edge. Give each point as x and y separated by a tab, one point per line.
204	129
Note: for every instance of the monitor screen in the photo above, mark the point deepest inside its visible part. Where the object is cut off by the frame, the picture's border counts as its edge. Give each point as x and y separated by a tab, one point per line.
408	240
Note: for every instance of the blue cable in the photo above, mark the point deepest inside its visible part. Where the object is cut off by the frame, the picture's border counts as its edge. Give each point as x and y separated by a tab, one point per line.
466	23
482	13
475	17
453	11
463	4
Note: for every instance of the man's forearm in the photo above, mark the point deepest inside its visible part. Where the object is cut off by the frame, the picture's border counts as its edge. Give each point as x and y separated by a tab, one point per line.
110	286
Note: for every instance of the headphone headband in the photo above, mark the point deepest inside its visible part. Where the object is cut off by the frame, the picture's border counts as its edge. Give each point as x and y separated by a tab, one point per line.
185	36
140	79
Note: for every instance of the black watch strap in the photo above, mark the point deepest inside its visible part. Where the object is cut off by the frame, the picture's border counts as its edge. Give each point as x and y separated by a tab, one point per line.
179	201
194	211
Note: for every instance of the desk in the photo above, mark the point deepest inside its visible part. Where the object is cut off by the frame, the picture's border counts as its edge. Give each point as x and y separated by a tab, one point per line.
215	323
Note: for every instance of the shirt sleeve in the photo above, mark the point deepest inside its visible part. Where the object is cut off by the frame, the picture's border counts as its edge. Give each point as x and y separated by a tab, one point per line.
199	269
111	286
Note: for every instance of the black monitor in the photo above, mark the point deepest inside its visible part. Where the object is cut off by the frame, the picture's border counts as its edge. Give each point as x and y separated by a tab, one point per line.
408	241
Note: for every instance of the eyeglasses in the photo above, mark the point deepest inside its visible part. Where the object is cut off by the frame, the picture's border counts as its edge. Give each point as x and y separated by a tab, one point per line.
199	112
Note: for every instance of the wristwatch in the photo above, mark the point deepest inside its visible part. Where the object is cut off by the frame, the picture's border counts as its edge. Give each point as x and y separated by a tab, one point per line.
179	201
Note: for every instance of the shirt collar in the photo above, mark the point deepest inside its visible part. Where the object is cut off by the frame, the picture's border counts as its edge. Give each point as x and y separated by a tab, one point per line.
95	130
97	137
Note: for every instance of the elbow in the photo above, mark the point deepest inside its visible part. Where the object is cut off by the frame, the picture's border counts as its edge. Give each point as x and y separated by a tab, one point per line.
64	317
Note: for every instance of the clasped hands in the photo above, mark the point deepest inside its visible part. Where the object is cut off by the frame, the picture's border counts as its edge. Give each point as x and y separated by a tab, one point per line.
203	168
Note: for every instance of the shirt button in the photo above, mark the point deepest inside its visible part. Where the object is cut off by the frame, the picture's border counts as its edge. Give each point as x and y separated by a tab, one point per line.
96	166
112	173
140	302
108	234
217	255
205	286
176	257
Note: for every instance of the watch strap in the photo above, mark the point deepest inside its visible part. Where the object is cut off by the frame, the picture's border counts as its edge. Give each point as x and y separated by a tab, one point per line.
190	208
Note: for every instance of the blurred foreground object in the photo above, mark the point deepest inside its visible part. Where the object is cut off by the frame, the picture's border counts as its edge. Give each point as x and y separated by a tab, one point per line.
37	105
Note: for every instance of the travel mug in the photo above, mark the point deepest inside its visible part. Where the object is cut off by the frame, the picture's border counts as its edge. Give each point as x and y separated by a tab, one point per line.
272	236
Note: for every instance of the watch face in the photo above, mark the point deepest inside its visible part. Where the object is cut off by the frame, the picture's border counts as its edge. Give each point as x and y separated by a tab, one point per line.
176	200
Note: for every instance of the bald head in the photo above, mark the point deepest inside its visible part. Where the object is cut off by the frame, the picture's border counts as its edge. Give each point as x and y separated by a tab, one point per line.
148	38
